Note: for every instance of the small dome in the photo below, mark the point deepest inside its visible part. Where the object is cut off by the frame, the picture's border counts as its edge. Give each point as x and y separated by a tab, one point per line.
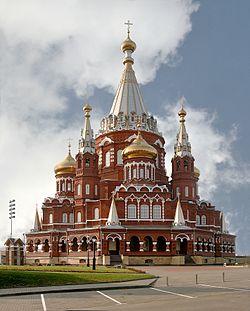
196	172
139	148
67	166
128	44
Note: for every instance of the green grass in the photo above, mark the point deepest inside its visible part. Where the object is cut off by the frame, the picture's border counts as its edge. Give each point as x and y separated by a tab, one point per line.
17	276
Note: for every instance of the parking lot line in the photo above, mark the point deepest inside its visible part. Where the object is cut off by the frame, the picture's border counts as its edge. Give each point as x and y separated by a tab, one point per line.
43	303
232	288
173	293
116	301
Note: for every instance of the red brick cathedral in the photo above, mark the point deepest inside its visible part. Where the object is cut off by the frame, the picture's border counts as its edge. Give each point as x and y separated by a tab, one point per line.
115	204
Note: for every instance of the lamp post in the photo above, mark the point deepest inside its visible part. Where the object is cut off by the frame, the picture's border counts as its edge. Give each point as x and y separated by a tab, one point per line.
94	243
88	242
12	204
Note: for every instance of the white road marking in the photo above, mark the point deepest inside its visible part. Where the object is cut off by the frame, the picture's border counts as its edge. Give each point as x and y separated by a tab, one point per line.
167	292
43	303
116	301
233	288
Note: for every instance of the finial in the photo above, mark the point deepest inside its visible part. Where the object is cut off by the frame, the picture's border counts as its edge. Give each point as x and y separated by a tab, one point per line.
128	23
87	108
182	113
69	145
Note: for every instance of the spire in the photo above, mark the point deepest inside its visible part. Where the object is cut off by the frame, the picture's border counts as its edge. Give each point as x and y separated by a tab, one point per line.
113	219
182	146
128	96
87	141
179	217
37	222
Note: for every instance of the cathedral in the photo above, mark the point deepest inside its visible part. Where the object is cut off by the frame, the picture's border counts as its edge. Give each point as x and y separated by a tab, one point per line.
114	203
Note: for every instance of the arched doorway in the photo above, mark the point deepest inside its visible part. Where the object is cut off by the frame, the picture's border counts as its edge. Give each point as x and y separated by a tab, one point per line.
181	246
114	246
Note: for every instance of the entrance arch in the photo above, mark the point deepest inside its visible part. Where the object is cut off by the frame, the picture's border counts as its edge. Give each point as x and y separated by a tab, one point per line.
181	246
114	246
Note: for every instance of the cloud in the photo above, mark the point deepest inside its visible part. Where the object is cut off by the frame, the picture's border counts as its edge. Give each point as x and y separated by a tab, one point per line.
51	50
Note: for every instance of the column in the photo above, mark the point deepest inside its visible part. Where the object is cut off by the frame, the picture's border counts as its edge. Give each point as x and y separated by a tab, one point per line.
141	246
127	246
154	246
167	246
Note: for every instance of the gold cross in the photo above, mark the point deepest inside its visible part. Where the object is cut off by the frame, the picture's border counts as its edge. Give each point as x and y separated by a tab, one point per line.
128	23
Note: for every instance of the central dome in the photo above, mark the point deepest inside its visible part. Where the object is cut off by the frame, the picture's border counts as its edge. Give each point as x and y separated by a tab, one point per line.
139	148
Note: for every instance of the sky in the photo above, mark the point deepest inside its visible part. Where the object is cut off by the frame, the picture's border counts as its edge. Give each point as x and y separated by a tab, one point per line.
57	55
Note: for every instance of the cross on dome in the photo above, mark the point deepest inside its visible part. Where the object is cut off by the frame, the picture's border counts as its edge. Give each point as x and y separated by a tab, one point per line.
128	23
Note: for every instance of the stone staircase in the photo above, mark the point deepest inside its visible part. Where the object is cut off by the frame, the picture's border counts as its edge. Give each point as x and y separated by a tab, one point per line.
115	260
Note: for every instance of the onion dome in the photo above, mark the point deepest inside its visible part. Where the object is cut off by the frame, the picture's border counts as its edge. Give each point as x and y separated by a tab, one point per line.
196	172
128	45
67	166
139	148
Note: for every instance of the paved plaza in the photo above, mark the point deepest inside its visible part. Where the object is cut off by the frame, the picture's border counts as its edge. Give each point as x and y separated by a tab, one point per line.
217	288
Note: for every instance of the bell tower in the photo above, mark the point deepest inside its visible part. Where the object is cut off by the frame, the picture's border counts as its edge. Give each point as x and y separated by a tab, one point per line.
86	180
184	174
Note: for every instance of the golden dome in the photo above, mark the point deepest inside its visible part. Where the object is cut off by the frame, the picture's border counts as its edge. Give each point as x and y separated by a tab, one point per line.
67	166
128	44
196	172
139	148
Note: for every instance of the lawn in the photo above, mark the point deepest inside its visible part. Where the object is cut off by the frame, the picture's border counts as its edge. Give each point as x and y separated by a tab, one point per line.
29	276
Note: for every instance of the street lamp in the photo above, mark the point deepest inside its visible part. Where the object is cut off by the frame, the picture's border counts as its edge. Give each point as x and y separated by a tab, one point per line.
88	242
12	212
94	242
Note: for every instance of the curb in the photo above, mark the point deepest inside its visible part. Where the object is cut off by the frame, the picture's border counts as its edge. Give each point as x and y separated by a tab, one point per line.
70	290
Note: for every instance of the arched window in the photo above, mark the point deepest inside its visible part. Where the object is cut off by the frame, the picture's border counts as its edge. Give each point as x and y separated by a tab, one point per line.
134	245
178	165
185	165
161	244
64	218
63	246
69	186
131	211
177	190
79	217
46	245
50	218
119	160
78	189
87	162
141	173
84	245
96	213
74	246
198	220
79	163
156	212
96	190
87	188
57	186
186	191
63	185
148	244
71	218
134	173
107	159
203	220
144	211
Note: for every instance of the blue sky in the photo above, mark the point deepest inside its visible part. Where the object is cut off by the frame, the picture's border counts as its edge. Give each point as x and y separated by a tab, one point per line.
196	49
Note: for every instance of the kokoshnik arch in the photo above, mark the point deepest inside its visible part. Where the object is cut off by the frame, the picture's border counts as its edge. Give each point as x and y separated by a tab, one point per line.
116	190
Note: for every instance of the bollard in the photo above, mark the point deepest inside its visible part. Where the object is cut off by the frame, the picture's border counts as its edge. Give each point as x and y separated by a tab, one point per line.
167	281
196	279
223	276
